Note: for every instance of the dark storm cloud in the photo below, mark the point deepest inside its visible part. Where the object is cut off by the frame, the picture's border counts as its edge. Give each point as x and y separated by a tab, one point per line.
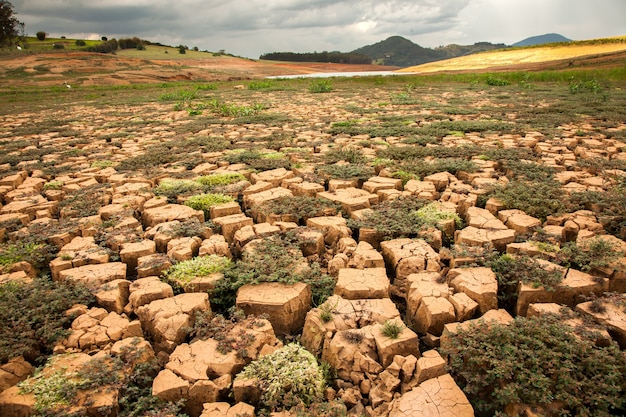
252	27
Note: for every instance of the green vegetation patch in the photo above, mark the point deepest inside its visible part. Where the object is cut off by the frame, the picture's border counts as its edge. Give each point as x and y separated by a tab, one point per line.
538	362
302	207
274	259
33	316
200	266
511	270
287	377
204	202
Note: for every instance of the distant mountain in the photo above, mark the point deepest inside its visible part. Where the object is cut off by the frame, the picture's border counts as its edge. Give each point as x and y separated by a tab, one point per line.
401	52
541	39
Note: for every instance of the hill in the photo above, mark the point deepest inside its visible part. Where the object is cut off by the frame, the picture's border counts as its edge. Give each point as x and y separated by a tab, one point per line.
542	39
401	52
571	54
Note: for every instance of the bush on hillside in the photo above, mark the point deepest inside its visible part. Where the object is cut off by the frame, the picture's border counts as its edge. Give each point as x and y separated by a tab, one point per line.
41	35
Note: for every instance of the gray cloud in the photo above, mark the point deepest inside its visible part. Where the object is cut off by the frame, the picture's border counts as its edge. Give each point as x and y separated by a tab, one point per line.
252	27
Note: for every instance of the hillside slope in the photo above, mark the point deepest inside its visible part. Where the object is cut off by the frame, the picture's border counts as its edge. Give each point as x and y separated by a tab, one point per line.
542	39
401	52
523	58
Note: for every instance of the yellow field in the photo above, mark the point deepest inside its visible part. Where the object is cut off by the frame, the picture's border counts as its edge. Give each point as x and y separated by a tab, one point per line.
517	56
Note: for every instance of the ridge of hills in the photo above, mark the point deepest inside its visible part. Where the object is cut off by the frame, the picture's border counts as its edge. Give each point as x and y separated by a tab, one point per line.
401	52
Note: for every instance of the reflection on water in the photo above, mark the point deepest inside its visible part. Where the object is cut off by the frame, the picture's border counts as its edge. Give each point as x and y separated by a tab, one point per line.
343	74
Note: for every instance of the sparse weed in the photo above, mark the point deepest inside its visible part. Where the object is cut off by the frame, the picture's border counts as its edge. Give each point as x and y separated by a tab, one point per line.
392	329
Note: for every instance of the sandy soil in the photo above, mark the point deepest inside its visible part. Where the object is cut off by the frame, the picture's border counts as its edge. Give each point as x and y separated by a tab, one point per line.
82	68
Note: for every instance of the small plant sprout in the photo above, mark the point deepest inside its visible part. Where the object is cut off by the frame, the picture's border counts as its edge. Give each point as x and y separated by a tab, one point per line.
392	329
326	311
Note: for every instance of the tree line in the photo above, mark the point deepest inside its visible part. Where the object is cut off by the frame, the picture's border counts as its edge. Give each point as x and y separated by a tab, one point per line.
334	57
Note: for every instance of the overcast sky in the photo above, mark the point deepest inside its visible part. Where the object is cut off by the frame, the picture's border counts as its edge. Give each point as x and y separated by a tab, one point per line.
252	27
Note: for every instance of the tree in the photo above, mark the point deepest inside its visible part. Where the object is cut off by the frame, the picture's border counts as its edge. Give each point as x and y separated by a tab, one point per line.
10	27
41	35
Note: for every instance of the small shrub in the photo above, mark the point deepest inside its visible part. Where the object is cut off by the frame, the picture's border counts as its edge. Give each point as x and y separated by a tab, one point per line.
335	408
431	214
321	86
536	198
173	188
302	207
58	46
404	176
275	259
33	316
216	180
102	164
51	392
353	337
392	329
261	85
350	155
204	202
41	35
208	325
200	266
56	394
497	82
511	270
591	254
19	251
345	171
394	218
597	306
288	377
80	42
537	362
326	311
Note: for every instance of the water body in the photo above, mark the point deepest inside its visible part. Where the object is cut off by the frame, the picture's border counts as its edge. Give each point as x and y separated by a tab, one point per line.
342	74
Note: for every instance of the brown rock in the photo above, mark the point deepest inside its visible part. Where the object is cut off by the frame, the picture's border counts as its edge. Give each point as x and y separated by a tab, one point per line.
464	306
519	221
611	315
131	252
478	283
166	320
434	397
113	295
224	209
333	227
409	256
221	409
14	371
354	284
94	276
183	248
169	387
430	365
230	224
215	245
285	304
145	290
473	236
153	216
407	343
365	256
343	314
152	265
